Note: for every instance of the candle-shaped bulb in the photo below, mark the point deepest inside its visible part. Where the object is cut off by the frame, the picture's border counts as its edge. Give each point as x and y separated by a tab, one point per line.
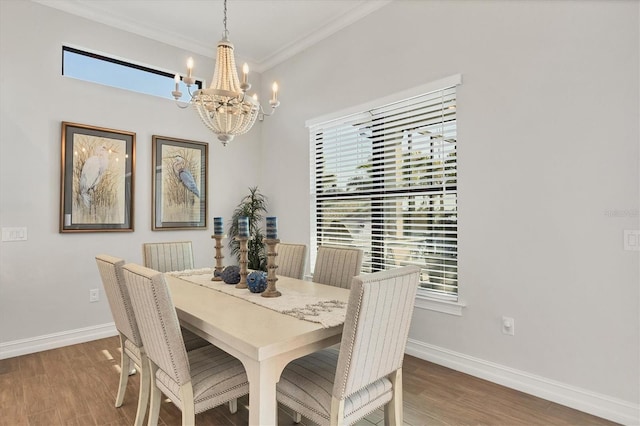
177	80
255	97
274	87
189	66
245	72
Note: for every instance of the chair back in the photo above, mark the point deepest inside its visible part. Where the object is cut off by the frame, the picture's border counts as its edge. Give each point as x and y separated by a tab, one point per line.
157	321
291	260
110	269
168	256
376	328
337	266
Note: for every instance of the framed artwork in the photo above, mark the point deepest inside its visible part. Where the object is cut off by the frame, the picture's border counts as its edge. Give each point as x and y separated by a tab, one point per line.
179	184
97	179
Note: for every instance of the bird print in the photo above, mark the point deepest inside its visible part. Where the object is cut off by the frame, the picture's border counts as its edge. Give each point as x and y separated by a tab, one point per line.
92	171
184	175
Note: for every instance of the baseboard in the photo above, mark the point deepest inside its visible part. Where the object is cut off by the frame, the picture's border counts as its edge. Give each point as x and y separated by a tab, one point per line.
580	399
56	340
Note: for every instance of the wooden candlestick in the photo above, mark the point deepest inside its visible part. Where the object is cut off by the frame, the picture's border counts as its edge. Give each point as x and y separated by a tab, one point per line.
243	262
271	268
218	257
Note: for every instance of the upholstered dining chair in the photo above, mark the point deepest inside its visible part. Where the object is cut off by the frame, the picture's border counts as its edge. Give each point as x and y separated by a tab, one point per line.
194	381
168	256
337	266
336	387
291	260
132	349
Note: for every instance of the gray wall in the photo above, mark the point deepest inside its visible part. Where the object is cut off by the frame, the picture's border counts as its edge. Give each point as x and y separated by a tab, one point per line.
548	151
45	281
548	156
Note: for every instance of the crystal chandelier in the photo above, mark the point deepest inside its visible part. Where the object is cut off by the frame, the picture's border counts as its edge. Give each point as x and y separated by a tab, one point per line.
225	108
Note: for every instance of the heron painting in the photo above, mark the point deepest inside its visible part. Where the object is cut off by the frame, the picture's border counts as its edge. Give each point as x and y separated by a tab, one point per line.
97	179
99	173
179	184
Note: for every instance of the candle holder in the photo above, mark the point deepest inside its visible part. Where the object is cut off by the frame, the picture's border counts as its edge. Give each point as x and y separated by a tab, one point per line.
218	257
243	262
271	268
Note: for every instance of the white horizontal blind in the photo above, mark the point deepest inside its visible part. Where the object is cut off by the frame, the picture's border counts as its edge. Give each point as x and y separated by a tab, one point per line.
385	180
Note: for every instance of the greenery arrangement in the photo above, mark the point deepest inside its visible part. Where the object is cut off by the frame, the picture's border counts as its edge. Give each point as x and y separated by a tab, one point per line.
253	206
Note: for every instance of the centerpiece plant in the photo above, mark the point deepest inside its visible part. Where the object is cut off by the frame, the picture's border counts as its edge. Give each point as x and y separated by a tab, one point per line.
253	206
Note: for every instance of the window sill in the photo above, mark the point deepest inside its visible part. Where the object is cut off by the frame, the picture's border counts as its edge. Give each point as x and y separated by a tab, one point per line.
438	305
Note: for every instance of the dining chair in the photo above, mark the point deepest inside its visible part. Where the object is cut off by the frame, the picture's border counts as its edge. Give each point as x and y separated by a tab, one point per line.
291	260
132	349
194	381
168	256
336	387
337	266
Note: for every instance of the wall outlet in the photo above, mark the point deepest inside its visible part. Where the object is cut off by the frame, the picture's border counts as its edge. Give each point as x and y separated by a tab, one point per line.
508	326
632	239
94	295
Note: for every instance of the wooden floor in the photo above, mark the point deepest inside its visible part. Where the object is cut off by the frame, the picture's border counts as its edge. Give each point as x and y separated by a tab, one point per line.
76	385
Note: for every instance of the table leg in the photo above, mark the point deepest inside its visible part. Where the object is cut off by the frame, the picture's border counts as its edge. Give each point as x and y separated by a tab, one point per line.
263	376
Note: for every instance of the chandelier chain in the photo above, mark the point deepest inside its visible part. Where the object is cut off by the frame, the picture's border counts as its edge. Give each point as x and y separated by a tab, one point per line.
226	32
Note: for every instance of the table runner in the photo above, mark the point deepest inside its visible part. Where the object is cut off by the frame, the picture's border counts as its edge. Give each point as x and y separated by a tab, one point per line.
325	312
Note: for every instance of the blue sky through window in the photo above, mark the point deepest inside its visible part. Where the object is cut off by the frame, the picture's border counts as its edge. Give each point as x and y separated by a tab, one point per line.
120	74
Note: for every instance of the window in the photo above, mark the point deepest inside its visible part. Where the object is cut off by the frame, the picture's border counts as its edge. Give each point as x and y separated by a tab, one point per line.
384	179
113	72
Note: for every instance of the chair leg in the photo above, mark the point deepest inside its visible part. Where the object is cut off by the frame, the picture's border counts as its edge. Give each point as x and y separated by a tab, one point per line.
233	406
393	409
145	388
156	395
188	405
336	417
124	372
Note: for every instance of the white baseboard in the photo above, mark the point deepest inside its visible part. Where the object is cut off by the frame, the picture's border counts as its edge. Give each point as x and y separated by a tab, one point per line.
580	399
56	340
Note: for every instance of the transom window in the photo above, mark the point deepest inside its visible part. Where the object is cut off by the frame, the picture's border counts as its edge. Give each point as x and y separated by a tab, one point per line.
384	179
96	68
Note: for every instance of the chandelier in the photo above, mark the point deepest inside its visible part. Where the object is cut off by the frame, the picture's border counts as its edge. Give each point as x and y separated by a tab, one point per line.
225	108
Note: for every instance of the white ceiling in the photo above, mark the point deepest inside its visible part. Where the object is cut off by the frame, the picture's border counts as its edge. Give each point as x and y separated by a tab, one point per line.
264	32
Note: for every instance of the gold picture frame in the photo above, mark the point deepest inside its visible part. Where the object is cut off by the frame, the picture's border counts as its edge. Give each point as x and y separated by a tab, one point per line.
179	184
97	179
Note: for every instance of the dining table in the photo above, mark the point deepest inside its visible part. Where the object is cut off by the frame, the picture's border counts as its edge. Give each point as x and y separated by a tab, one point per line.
257	330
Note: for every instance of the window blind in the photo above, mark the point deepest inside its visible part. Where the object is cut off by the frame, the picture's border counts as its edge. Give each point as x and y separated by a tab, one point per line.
385	180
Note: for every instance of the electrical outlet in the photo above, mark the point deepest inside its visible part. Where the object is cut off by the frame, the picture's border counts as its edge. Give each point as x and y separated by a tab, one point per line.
508	326
632	239
94	295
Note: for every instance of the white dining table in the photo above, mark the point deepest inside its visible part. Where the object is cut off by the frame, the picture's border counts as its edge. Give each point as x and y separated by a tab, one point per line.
264	340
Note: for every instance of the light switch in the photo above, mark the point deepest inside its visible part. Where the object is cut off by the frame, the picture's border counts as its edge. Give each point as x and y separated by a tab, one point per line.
14	234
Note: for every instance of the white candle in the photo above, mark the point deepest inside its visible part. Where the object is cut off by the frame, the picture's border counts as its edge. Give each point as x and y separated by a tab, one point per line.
275	91
177	80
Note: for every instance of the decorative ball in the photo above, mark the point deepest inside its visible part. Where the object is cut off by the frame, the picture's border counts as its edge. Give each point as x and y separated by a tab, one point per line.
231	274
257	281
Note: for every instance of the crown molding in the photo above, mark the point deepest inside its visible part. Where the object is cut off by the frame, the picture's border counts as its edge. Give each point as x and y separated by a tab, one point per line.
85	10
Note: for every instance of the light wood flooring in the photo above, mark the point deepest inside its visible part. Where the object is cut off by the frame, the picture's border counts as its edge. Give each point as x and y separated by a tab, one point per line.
76	385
